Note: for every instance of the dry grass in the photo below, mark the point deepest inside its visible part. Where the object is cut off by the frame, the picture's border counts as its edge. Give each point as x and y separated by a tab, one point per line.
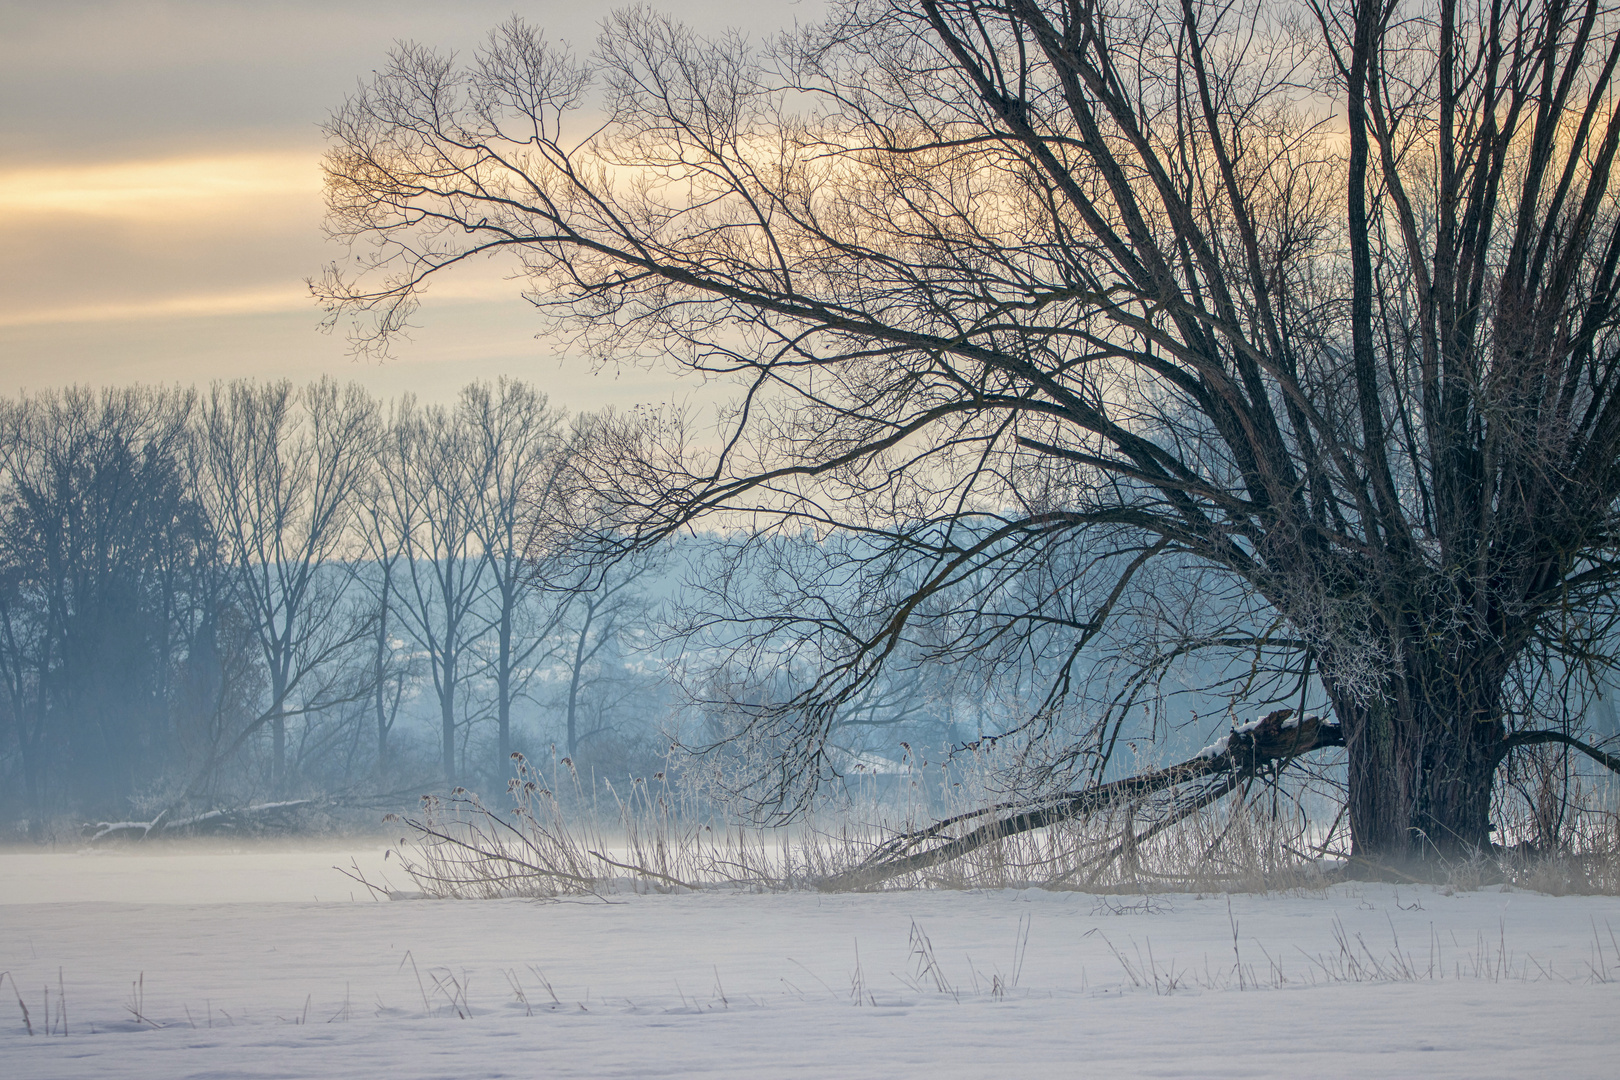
650	836
653	836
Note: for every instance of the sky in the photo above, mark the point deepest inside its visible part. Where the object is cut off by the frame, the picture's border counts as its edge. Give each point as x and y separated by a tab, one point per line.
160	194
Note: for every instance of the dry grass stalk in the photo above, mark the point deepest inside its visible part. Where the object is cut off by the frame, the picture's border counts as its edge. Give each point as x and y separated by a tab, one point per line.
1281	830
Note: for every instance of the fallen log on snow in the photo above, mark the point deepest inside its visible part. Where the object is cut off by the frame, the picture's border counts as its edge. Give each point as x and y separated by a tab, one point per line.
1229	762
233	819
221	820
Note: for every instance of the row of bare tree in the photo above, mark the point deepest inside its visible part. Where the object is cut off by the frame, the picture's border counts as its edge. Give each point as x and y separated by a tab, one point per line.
248	587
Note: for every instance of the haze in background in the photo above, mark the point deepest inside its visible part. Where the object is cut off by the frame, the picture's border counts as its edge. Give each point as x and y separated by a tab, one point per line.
160	194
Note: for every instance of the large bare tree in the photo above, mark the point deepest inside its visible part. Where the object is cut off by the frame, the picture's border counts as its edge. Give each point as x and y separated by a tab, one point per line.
283	468
1318	297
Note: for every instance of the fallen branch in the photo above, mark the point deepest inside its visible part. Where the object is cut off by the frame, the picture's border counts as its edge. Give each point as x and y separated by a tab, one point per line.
1230	761
225	819
648	871
1134	839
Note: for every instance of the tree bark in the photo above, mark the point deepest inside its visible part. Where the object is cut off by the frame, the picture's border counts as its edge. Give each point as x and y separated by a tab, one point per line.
1423	749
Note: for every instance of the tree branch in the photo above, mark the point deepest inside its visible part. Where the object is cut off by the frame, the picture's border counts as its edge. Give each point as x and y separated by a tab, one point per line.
1537	738
1275	738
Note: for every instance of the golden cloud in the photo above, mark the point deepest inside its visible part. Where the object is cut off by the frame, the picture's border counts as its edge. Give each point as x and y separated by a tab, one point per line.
163	189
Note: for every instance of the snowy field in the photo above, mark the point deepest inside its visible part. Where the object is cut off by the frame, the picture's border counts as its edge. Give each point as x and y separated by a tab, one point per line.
269	963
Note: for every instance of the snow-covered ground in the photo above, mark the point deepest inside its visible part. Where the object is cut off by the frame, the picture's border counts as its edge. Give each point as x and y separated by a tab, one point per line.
269	963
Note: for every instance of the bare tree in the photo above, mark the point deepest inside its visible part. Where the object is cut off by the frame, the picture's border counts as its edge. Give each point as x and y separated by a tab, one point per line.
521	451
382	548
1007	280
283	468
432	481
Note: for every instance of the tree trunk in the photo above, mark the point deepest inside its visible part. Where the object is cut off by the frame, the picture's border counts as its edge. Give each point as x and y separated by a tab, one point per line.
278	749
447	720
580	656
33	783
503	690
379	670
278	722
573	703
380	705
1422	751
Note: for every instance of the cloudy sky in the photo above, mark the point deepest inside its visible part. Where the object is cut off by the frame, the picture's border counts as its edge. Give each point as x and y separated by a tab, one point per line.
160	192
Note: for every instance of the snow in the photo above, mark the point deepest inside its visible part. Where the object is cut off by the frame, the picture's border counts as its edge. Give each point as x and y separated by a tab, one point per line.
250	975
1220	745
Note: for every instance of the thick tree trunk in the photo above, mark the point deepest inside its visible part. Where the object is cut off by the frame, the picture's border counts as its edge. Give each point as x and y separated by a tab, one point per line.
1422	760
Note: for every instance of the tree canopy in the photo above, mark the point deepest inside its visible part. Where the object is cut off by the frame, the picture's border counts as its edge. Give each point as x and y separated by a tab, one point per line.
1072	309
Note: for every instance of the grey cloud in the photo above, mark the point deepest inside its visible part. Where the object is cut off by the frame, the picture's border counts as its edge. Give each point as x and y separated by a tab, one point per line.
84	80
117	81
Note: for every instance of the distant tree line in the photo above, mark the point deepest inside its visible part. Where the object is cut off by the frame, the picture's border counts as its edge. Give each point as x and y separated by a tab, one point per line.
240	592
